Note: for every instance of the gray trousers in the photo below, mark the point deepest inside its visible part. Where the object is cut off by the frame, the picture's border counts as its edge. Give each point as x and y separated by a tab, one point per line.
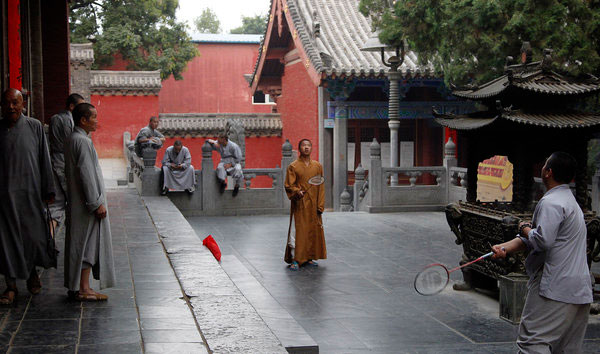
235	172
549	327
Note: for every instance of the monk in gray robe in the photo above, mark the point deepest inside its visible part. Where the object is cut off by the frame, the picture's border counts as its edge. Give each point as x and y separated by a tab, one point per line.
26	186
178	172
61	127
88	243
149	137
231	162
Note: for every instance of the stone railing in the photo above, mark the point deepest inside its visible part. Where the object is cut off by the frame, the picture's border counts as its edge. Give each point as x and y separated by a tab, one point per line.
207	200
379	196
457	184
108	82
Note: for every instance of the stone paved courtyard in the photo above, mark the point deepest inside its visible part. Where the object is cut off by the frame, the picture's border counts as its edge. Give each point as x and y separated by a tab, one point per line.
361	299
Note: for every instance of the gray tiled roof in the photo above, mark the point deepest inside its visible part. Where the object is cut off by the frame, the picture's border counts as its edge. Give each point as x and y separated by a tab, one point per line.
332	33
554	119
536	80
82	52
211	124
566	119
110	82
343	30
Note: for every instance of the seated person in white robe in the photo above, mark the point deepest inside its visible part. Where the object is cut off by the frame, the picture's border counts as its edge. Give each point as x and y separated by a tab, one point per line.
149	137
178	172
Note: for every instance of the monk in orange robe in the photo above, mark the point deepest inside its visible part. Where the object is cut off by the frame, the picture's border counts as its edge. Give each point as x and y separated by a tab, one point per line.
308	203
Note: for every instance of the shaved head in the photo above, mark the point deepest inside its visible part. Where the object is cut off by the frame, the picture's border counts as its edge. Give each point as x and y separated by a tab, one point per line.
12	104
11	91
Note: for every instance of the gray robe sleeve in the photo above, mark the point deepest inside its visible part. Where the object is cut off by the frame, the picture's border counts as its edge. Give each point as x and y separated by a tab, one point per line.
48	187
86	170
237	153
142	134
167	158
187	158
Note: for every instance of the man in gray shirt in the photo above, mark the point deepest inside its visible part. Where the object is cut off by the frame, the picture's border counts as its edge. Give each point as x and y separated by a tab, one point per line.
556	310
231	158
61	127
149	137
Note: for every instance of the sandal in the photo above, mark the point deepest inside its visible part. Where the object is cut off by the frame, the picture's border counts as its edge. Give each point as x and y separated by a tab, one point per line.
294	266
6	298
34	285
91	297
312	264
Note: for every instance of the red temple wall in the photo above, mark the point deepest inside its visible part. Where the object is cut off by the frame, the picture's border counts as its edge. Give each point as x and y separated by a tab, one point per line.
213	82
298	106
117	114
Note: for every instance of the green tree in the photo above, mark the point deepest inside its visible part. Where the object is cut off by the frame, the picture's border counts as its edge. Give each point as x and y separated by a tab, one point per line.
144	32
208	22
469	40
252	25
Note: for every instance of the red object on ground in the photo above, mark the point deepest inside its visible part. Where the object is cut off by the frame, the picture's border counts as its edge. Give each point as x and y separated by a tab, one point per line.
211	244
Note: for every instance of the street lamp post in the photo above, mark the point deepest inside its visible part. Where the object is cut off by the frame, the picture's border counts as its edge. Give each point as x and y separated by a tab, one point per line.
374	45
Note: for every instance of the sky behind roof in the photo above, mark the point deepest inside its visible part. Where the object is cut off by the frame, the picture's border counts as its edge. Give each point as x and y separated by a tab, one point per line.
229	12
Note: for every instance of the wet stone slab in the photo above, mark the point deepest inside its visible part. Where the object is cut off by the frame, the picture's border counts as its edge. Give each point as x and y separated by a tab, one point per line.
228	321
49	323
362	299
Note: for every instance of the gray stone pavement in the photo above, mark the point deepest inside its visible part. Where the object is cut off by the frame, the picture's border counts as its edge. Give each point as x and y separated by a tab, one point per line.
146	312
361	299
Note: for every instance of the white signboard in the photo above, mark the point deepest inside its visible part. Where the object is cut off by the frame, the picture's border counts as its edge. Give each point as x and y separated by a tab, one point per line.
328	123
407	153
350	156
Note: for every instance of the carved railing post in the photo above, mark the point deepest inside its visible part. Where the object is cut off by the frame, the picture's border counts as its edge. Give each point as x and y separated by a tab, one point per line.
375	175
209	179
359	182
345	201
450	161
287	157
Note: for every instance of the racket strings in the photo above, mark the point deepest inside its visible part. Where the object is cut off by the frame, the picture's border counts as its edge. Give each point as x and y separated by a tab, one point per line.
432	279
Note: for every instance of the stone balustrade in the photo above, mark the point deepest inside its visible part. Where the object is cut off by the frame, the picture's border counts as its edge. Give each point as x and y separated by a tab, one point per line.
207	200
457	184
380	196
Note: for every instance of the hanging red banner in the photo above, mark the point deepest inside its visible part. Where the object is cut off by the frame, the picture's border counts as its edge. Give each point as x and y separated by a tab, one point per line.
15	72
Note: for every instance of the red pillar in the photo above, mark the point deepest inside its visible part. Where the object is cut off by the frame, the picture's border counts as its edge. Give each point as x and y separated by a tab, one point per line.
15	74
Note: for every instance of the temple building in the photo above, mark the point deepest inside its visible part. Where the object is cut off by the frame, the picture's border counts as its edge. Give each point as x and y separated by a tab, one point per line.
35	53
328	90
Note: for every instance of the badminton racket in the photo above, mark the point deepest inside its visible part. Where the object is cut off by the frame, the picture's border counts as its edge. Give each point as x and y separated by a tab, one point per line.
315	181
434	278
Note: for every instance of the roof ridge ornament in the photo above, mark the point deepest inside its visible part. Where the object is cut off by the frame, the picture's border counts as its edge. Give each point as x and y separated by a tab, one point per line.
526	53
316	30
547	60
507	62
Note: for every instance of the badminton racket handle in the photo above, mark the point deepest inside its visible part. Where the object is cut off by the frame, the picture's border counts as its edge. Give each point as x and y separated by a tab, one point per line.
473	261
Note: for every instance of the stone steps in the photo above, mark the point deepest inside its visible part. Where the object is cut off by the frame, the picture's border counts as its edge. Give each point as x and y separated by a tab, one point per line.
291	335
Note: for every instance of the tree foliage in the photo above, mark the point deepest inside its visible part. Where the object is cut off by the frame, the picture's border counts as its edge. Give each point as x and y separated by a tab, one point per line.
469	40
208	22
252	25
144	32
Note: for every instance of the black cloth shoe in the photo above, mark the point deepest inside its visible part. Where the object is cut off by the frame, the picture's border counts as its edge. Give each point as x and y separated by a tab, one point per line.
236	190
222	187
164	191
190	191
